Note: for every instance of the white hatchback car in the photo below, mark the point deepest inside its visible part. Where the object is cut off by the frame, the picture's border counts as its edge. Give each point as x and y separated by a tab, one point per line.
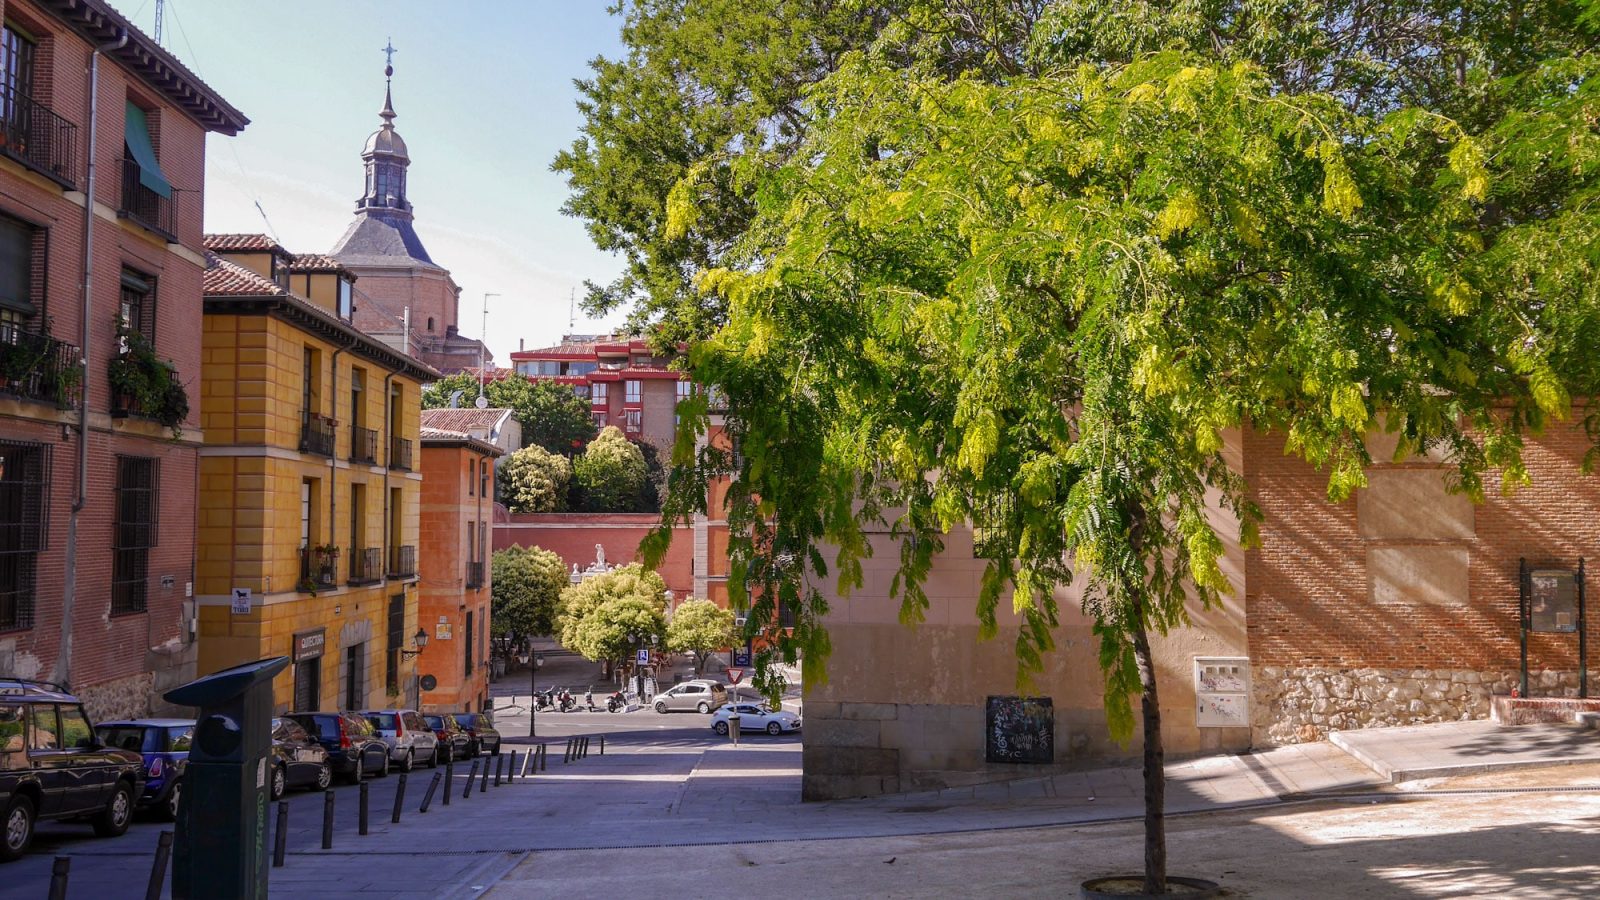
755	717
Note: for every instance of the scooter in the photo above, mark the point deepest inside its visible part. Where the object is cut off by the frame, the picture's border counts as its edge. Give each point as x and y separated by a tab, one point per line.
545	699
588	701
617	702
567	703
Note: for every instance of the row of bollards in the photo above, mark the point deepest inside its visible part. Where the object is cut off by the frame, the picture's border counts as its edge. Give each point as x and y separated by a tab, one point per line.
578	748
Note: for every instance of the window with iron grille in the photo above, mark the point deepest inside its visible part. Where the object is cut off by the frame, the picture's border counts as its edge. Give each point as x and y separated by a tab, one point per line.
135	533
24	527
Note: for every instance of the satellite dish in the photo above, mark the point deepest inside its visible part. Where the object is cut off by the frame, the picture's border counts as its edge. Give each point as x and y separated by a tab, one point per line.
455	399
481	403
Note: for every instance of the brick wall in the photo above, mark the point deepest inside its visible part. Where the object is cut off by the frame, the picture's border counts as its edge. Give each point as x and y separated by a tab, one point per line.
573	536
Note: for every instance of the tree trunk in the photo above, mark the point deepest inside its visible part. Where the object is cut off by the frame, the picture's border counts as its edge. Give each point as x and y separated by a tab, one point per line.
1155	827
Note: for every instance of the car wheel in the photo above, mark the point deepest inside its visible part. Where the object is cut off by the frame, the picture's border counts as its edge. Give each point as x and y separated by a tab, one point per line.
720	727
113	820
774	728
383	767
324	777
433	758
661	706
280	782
18	828
704	707
409	763
356	771
170	808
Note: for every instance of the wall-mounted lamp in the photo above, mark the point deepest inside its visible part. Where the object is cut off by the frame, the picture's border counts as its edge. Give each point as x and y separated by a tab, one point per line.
421	640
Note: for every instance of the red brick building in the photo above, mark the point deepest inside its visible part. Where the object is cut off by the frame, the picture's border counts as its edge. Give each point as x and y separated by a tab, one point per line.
101	195
626	385
454	605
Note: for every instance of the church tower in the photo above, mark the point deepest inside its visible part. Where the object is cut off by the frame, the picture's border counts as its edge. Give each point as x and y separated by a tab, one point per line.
395	275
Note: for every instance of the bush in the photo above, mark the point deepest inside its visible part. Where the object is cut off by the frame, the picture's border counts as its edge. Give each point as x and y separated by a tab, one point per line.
610	475
534	480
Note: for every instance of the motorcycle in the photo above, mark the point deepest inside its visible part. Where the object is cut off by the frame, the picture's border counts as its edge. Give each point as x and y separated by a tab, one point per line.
617	702
545	699
588	701
568	704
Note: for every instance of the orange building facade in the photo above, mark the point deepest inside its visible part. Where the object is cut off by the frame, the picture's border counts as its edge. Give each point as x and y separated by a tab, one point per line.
454	604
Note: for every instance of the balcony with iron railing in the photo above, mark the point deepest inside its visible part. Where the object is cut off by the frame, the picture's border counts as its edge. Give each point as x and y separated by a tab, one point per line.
475	574
39	367
366	566
316	434
146	207
403	562
363	445
400	454
319	568
32	134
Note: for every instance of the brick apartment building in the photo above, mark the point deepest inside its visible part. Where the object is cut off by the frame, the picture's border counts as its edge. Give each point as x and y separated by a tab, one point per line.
457	517
310	491
102	178
400	282
625	383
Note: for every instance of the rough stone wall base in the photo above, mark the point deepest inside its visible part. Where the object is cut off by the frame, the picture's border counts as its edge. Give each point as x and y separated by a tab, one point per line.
171	666
121	698
1297	704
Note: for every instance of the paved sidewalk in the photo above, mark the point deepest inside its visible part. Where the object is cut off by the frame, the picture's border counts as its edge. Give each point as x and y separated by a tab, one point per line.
1467	748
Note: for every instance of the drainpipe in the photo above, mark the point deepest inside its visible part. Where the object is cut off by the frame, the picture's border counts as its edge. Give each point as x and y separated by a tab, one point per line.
388	460
333	462
69	593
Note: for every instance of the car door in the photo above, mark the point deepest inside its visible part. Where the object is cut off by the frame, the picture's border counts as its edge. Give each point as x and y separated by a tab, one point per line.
44	753
422	737
92	769
687	696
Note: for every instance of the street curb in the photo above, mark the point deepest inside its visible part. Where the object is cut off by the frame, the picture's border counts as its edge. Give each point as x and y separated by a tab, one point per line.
1397	775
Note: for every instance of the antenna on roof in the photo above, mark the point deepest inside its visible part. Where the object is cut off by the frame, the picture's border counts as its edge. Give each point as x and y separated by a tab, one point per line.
572	309
267	221
161	9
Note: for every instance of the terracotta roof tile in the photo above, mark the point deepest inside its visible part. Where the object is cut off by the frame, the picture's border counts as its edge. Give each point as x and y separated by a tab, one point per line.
229	279
316	262
234	243
462	419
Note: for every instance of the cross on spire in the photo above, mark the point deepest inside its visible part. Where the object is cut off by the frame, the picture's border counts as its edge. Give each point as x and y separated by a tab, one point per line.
388	54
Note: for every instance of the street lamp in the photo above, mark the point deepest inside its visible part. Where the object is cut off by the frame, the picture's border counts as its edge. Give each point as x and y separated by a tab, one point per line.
420	639
638	670
533	686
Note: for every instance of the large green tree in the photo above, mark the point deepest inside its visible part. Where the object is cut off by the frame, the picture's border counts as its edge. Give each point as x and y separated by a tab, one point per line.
610	475
700	627
526	593
1034	304
599	613
552	416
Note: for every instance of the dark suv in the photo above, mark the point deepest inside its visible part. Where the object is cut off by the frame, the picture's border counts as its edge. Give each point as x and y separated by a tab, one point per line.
52	767
354	749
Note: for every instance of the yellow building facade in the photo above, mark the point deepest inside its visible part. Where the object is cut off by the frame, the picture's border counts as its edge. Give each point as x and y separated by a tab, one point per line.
310	488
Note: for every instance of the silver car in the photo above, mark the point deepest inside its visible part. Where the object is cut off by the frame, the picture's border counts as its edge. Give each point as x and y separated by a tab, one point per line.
409	738
699	695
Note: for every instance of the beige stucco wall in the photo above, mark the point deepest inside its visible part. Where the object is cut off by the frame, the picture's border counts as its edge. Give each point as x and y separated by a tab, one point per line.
903	707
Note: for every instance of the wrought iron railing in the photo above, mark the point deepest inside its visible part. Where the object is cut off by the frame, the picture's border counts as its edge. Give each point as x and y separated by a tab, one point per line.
39	367
148	208
400	453
363	445
475	574
35	136
319	567
316	434
366	566
402	561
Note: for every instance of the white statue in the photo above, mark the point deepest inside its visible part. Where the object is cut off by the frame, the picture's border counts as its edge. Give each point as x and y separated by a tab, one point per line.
599	558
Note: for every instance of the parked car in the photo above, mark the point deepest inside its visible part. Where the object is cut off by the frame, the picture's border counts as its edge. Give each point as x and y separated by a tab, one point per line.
481	734
409	738
354	749
53	767
163	744
699	695
755	717
298	760
453	739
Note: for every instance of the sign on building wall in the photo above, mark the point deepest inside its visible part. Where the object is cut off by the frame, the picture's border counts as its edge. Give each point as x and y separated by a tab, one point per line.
1222	691
309	644
1553	600
241	601
1020	730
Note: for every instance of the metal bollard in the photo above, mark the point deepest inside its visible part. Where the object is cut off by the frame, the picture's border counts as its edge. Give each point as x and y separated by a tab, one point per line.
483	783
449	779
399	798
602	745
544	756
158	869
362	827
498	762
280	835
470	775
528	758
586	747
511	770
327	819
433	785
59	872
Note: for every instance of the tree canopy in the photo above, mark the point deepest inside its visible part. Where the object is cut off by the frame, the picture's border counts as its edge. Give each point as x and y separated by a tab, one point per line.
534	480
599	613
611	475
525	594
552	416
700	627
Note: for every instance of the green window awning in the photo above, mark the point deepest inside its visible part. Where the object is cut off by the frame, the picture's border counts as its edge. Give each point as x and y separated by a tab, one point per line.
136	132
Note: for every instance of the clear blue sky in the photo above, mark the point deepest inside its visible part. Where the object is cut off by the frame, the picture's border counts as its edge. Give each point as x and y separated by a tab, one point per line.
484	97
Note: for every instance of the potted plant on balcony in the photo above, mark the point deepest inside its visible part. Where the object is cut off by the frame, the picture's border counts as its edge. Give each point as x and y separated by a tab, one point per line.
144	383
325	564
22	355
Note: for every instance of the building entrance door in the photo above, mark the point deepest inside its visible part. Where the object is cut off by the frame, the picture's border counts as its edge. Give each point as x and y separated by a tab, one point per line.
355	690
307	684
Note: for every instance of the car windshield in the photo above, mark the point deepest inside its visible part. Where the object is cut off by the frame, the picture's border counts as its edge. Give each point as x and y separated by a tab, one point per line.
122	737
382	720
434	722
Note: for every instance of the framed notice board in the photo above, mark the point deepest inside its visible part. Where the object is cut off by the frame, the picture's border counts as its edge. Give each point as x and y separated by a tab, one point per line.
1020	730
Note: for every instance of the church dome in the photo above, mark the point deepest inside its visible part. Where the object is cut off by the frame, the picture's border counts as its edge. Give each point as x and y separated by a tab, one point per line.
386	141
